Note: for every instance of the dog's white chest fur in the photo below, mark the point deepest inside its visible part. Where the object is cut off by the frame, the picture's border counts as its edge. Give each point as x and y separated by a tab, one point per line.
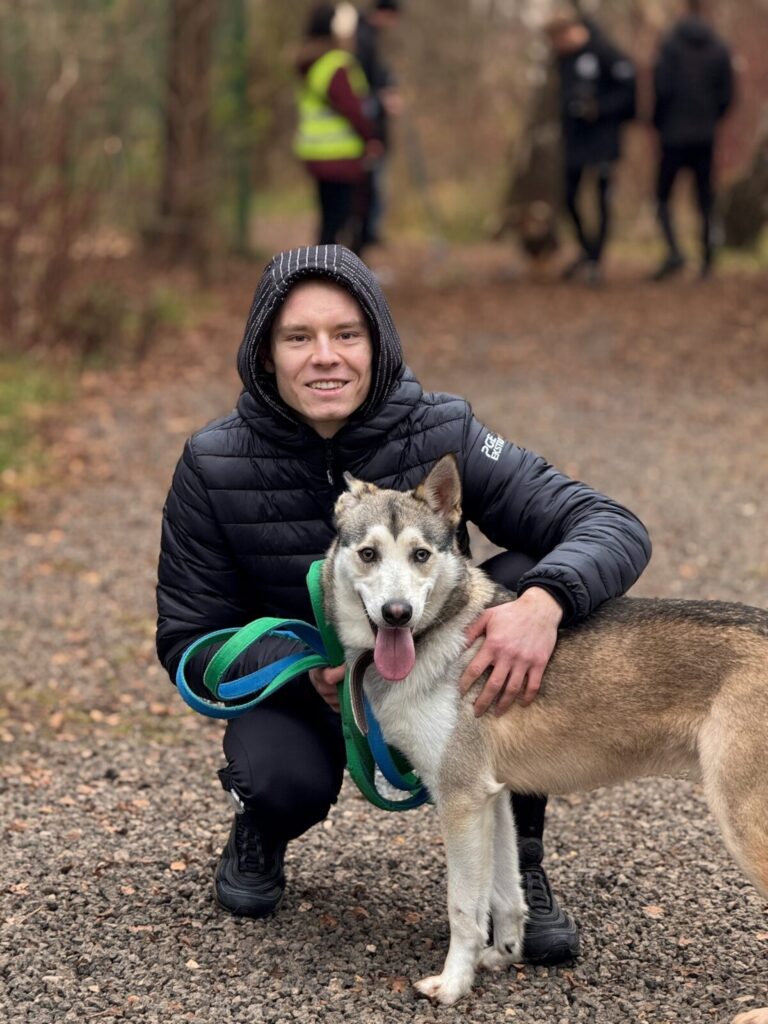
417	715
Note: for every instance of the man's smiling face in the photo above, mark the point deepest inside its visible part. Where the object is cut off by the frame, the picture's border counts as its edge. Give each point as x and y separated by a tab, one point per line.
321	354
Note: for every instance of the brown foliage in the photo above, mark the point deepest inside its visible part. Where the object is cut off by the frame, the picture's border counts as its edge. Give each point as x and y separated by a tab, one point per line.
51	171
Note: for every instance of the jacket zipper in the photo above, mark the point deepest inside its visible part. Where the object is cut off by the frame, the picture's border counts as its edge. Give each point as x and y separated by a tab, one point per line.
329	462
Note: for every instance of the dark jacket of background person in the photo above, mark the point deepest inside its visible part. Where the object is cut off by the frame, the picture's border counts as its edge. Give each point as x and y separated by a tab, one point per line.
597	93
379	74
693	79
250	506
343	98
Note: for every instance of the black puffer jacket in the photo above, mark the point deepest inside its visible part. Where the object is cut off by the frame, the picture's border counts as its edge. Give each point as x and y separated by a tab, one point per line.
252	497
693	80
597	95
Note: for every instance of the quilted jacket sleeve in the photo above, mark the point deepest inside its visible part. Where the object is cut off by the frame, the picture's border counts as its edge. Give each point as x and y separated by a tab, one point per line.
590	548
199	588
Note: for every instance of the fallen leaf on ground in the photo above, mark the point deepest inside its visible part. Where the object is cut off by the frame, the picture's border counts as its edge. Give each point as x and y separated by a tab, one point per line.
399	984
654	911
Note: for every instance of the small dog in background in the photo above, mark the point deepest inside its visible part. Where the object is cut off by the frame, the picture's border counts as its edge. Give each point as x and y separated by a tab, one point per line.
642	687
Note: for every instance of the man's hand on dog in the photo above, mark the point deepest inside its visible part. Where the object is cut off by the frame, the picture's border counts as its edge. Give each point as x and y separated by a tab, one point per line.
326	682
519	640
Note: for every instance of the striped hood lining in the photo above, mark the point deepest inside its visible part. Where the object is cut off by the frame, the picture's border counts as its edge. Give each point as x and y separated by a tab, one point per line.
341	266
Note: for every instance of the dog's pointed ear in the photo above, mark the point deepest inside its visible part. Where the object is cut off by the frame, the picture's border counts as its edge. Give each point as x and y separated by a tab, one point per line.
355	491
441	489
356	487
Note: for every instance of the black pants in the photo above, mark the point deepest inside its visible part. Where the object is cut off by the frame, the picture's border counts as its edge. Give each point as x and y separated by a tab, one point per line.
286	757
343	213
698	159
336	200
592	243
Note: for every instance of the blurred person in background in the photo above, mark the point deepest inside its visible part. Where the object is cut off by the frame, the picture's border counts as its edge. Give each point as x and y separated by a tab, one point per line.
336	137
597	94
693	80
385	101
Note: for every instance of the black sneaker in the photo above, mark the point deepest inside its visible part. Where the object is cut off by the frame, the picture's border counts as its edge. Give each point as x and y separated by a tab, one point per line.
575	267
705	270
593	275
551	937
672	265
249	878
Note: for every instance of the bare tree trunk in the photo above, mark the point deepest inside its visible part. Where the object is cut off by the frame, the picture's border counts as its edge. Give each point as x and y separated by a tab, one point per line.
10	224
182	232
745	204
242	154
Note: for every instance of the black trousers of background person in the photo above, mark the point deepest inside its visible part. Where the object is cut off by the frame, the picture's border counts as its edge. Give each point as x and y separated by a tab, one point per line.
286	757
698	159
344	213
592	243
336	199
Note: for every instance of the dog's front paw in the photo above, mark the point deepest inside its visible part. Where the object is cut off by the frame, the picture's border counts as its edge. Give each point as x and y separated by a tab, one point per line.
752	1017
508	933
493	959
442	989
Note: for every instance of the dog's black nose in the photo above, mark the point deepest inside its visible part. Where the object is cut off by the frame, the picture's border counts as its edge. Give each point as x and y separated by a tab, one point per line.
397	612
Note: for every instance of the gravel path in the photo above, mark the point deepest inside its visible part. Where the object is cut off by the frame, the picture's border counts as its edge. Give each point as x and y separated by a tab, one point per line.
109	803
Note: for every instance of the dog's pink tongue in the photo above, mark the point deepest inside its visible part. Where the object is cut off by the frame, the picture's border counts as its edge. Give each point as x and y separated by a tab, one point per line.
394	654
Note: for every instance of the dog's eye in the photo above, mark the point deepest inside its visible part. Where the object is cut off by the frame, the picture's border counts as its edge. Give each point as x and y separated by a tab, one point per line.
421	555
367	554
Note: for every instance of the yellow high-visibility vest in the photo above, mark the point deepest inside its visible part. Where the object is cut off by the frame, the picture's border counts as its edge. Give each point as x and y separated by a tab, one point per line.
323	133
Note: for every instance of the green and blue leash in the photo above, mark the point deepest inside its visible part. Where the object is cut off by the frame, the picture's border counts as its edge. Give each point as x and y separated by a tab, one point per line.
365	751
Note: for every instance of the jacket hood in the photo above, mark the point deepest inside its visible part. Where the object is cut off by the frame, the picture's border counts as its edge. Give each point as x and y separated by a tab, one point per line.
694	31
340	266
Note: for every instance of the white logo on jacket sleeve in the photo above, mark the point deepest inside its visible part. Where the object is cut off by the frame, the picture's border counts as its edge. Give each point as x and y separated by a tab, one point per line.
587	66
492	446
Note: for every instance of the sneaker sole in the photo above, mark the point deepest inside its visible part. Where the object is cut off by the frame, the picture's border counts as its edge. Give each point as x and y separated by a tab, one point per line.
559	952
242	908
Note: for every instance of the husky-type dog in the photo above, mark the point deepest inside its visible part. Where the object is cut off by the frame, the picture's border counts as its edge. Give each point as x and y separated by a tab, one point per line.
641	687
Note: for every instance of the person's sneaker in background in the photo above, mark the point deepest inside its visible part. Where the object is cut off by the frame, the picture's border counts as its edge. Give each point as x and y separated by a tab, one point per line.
575	267
672	265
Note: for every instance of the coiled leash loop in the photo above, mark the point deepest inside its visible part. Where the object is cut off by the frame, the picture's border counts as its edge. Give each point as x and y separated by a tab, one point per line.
365	746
